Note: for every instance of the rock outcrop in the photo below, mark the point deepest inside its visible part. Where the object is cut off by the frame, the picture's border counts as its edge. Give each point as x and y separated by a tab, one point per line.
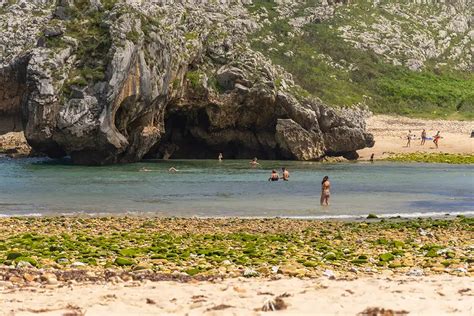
114	81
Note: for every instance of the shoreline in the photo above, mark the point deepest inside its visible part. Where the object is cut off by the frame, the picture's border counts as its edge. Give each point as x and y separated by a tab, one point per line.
343	218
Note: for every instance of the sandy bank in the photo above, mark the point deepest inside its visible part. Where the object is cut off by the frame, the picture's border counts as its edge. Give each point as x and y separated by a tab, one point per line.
434	295
390	136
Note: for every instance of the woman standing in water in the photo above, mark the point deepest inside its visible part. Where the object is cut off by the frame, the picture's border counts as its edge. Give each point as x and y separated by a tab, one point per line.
325	194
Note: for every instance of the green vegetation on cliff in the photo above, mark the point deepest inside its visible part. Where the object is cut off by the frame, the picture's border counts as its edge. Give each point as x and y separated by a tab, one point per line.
333	69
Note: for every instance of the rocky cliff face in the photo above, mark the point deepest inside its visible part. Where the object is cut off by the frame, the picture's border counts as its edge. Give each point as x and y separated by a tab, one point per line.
113	81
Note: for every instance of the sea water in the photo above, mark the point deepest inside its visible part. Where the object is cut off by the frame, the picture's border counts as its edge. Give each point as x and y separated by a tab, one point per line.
233	188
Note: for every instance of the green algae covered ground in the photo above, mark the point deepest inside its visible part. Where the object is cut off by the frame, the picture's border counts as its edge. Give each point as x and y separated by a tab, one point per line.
235	247
433	158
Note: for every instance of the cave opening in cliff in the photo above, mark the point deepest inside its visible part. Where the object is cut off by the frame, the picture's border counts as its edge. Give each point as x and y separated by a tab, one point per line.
189	135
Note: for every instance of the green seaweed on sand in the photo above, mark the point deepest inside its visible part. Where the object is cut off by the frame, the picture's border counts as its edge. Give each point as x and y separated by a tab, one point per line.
227	247
433	158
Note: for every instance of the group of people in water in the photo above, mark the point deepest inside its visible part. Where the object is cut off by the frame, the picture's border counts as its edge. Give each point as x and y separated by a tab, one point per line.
274	176
285	176
423	137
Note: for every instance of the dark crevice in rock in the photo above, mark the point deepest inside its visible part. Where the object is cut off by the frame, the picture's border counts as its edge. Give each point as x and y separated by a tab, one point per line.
13	90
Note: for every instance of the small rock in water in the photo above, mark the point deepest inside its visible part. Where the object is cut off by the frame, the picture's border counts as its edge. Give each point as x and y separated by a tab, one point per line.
248	273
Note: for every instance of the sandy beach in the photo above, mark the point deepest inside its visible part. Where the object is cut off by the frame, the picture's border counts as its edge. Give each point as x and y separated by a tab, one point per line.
434	295
171	266
390	136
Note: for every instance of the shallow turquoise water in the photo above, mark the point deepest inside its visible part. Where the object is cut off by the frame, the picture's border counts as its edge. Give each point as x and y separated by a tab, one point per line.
232	188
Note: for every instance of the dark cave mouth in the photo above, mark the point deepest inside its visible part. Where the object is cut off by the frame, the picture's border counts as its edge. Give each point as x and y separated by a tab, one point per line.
188	135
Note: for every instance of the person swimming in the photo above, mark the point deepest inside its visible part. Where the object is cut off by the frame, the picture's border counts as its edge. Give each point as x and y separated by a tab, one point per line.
274	176
285	174
254	162
325	193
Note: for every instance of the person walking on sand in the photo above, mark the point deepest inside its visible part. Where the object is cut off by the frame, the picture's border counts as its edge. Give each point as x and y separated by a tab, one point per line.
423	137
408	138
325	193
274	176
220	157
254	162
372	157
285	174
436	139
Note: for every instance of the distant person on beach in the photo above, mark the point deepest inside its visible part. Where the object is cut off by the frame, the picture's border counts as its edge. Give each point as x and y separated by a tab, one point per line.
325	193
274	176
409	138
254	162
173	170
372	157
220	157
423	137
436	139
285	174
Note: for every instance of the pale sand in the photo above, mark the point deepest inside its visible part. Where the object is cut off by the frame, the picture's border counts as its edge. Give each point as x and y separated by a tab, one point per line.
427	295
390	136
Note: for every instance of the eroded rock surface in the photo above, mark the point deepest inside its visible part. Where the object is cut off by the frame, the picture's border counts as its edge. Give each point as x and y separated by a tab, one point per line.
113	81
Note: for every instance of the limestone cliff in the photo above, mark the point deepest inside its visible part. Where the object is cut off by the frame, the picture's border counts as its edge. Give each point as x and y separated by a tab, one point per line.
114	81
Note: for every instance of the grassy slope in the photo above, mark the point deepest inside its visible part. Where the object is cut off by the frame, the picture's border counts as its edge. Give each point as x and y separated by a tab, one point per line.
389	89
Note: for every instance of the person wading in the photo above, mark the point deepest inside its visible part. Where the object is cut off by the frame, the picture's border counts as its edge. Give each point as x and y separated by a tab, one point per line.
274	176
325	193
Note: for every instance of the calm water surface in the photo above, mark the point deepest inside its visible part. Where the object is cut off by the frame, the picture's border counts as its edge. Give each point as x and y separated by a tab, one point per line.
232	188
